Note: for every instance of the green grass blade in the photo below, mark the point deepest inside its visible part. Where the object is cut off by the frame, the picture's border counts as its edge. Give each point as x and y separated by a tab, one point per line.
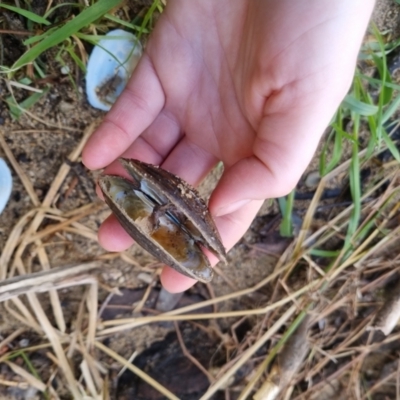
366	229
52	9
126	24
390	145
373	130
148	17
386	93
324	253
374	121
27	14
354	172
33	370
16	111
337	136
39	70
391	109
359	107
77	60
323	170
30	366
337	149
375	82
355	187
38	38
286	207
85	18
94	39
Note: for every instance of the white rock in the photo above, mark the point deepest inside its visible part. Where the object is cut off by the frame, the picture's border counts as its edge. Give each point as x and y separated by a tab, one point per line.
146	278
65	70
5	184
110	65
313	179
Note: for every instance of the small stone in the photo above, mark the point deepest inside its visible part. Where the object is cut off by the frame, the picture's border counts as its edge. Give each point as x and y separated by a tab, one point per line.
312	179
66	107
24	343
114	274
31	393
65	70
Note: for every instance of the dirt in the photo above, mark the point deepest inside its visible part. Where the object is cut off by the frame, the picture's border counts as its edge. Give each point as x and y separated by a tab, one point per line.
41	142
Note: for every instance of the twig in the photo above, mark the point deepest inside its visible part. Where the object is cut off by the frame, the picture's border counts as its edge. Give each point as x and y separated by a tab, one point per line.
189	356
136	371
43	281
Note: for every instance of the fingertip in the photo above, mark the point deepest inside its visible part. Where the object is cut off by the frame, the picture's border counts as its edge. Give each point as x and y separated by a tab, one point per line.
106	144
174	282
247	180
112	236
233	226
87	160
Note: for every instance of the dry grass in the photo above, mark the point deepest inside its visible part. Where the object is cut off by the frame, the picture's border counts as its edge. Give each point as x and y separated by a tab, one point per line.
297	322
312	337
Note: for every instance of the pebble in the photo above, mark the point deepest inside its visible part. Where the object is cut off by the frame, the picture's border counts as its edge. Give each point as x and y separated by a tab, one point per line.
24	343
312	179
65	70
66	107
146	278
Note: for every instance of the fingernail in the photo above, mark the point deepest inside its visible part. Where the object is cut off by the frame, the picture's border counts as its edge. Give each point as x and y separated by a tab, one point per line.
230	208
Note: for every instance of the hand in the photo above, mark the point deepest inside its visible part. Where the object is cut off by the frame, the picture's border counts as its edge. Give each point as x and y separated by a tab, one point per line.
253	83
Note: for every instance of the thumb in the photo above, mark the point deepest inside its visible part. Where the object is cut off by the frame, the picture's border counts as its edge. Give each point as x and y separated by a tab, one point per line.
287	138
247	180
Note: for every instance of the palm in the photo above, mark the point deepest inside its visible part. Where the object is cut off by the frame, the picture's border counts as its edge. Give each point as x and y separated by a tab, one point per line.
199	82
242	82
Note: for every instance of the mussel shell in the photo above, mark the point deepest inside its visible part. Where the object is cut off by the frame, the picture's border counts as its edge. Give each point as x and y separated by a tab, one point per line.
187	248
185	198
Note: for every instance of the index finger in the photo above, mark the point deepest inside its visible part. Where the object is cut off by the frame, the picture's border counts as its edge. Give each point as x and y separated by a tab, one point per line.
136	108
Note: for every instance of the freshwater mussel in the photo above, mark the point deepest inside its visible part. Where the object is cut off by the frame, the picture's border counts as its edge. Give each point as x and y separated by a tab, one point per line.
166	216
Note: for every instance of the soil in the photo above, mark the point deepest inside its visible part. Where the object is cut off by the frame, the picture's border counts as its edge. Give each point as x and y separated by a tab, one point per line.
41	142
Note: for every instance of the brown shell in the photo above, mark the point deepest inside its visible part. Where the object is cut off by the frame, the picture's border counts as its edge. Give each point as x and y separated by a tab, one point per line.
185	198
204	275
184	206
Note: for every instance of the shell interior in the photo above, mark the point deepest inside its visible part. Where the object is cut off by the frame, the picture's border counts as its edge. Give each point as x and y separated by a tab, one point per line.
140	212
110	65
6	184
188	201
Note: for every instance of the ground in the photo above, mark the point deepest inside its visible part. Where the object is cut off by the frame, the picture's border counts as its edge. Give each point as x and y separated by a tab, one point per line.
126	285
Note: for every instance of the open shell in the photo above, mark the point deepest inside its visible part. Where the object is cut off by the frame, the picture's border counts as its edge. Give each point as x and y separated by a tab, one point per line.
110	66
5	184
166	216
